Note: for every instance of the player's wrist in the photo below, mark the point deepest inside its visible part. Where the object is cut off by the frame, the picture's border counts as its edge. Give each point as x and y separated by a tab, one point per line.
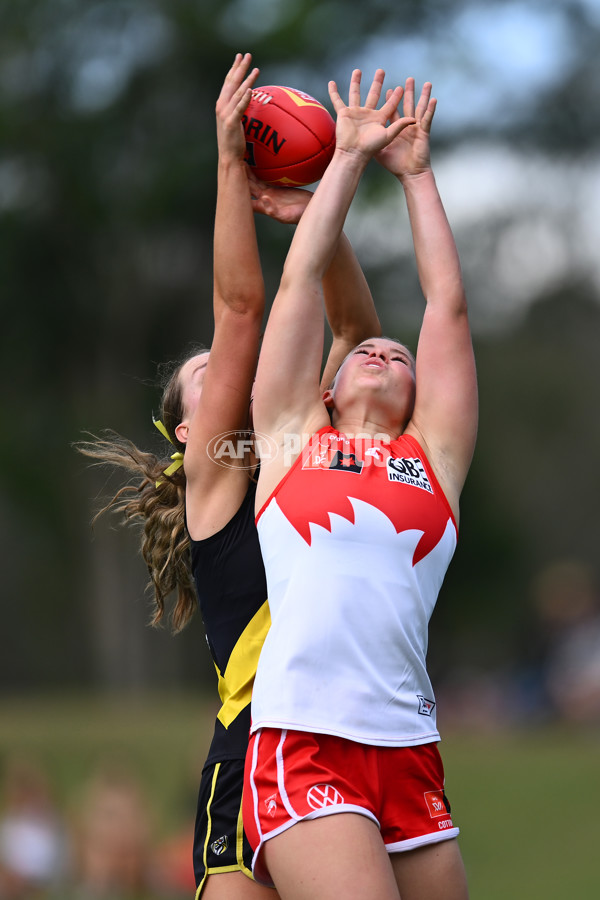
409	180
351	157
231	162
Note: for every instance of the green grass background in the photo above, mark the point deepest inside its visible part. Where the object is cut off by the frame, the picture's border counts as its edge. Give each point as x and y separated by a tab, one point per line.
527	802
527	805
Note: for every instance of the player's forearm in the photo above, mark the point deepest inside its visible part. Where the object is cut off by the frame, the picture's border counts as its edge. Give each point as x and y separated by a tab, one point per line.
318	232
349	303
237	275
437	259
293	342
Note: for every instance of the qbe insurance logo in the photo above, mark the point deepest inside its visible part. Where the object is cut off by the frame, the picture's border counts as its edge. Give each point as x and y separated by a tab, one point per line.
241	449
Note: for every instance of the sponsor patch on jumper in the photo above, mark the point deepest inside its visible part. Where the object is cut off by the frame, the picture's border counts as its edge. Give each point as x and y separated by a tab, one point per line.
436	803
346	462
426	706
334	451
408	470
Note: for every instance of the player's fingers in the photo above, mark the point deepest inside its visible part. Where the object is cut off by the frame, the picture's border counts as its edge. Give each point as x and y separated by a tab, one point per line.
395	115
227	81
394	129
334	96
354	90
239	67
249	81
241	102
236	75
258	190
241	96
423	100
266	205
427	118
390	106
235	64
408	105
258	204
255	190
375	90
256	185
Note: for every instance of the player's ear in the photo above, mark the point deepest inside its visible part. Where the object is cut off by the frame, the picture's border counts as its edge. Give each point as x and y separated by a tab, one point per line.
328	398
181	432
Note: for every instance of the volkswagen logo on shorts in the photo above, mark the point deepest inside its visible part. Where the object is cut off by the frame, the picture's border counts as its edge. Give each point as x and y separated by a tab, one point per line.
240	449
322	795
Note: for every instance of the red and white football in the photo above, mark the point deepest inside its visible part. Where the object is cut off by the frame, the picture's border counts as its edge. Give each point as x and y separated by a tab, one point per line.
290	136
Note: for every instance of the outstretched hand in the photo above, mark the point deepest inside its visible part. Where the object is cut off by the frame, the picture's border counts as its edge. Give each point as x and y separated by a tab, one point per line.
232	103
284	204
365	129
408	153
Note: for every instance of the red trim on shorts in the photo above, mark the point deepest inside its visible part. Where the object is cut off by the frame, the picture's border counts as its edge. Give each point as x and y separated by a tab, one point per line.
293	776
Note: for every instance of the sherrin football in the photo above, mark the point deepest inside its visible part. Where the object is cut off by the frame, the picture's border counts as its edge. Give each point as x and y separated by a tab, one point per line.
290	136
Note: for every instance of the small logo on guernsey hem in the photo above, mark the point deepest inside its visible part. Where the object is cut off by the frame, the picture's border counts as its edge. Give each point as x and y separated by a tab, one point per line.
436	803
220	845
322	795
408	471
426	707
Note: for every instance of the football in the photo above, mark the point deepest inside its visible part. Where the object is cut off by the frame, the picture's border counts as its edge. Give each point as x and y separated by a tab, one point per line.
290	136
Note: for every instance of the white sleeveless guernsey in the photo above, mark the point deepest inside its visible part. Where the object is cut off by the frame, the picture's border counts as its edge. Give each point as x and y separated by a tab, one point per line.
356	540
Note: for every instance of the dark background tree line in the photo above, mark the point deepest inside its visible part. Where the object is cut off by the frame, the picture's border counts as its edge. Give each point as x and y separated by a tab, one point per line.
107	193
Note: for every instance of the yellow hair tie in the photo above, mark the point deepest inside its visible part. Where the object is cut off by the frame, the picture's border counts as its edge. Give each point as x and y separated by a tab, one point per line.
162	429
176	457
177	464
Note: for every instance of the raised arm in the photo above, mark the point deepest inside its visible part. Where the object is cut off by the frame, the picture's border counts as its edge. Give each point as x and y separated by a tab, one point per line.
445	414
287	391
349	305
214	491
349	308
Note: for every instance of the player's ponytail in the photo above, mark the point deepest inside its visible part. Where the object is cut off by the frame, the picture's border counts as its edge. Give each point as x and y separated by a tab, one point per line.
153	499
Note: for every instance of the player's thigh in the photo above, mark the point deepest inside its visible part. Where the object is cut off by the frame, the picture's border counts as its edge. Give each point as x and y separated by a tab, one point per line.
433	872
332	857
235	886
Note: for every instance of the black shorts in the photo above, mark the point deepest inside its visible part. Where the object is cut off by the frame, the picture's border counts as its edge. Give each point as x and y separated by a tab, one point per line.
220	844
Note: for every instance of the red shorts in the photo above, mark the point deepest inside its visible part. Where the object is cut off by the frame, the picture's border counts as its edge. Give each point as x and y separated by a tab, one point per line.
295	775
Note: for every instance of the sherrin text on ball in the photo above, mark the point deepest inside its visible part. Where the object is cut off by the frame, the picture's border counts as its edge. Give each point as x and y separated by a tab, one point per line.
290	136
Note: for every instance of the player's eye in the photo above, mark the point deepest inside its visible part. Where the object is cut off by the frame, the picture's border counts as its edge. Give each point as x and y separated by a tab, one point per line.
362	350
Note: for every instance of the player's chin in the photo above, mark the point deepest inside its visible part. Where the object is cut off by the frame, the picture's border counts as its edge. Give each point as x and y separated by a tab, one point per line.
370	374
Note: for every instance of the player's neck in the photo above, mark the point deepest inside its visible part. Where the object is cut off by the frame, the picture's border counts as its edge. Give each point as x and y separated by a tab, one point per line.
361	426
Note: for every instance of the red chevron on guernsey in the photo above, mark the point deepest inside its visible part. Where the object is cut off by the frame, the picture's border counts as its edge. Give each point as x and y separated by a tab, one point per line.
395	478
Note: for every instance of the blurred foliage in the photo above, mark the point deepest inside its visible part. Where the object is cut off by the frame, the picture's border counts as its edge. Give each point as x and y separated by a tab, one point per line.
107	193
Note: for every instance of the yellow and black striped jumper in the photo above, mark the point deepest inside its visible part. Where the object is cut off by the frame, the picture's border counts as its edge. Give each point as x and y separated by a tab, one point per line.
232	594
